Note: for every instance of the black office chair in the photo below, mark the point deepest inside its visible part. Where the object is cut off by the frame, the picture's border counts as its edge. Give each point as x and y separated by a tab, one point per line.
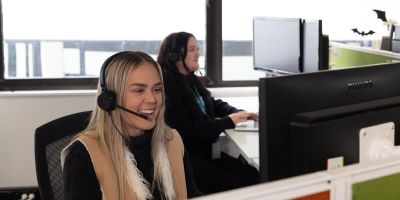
50	139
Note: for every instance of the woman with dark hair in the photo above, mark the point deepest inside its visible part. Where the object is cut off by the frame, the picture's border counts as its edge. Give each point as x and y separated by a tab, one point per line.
200	118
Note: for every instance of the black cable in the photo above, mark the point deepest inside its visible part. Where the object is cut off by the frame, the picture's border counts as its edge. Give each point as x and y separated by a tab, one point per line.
126	141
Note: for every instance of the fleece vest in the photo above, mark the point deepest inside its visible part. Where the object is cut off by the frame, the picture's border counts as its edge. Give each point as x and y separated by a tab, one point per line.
106	173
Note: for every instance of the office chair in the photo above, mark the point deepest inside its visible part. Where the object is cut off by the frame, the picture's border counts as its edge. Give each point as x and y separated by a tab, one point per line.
50	139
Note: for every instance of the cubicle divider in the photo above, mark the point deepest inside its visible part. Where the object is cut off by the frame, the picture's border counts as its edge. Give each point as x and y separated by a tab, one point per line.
372	180
344	55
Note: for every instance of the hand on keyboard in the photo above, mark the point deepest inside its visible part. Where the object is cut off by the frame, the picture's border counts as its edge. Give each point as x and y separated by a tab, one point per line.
249	125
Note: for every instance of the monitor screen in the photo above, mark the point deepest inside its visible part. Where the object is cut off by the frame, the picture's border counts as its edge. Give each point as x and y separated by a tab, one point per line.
276	44
308	118
312	40
396	39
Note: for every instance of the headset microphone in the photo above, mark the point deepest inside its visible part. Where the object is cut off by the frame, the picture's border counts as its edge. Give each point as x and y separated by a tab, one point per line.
133	112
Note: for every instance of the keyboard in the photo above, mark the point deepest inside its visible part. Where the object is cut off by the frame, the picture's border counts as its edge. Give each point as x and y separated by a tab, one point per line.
249	125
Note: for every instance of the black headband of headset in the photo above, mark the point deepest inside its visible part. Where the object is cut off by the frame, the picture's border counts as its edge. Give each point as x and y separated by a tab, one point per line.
104	68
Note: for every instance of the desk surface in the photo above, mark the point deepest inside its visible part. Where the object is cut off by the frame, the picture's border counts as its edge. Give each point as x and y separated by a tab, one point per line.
244	143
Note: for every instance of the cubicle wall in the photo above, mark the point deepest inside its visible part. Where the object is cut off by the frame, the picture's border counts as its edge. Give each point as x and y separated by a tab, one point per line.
343	56
374	180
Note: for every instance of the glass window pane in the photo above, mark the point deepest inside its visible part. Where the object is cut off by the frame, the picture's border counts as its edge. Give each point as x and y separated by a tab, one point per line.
338	18
72	38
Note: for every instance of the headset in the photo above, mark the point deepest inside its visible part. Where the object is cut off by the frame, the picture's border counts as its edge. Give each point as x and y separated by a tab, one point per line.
175	54
107	98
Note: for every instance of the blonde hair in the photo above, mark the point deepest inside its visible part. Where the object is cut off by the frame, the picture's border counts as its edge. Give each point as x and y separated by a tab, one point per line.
130	179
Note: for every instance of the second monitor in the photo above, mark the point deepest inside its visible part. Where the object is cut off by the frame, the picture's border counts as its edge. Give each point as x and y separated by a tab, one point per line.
289	45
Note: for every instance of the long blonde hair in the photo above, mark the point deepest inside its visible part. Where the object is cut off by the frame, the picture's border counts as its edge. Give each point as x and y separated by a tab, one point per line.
101	126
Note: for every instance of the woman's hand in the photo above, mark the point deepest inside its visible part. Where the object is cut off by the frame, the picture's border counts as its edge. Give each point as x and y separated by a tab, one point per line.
243	116
253	116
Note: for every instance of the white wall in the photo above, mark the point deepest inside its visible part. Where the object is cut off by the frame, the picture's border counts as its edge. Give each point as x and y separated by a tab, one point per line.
22	112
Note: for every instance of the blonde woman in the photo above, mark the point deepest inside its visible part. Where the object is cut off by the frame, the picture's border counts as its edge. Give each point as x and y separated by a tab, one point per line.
127	151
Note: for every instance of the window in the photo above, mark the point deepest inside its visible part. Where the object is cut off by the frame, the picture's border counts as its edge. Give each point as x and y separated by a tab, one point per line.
62	44
338	18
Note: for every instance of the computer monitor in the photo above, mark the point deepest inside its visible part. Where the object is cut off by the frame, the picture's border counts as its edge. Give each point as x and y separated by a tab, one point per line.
396	38
315	48
306	119
277	44
289	45
324	50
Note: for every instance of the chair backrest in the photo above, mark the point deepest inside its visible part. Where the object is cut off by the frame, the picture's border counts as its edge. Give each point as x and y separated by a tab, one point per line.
50	139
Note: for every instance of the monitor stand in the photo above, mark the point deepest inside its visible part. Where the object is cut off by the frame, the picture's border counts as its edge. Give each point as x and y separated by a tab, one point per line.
377	142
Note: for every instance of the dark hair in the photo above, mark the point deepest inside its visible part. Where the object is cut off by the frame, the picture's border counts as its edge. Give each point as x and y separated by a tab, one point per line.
172	43
178	41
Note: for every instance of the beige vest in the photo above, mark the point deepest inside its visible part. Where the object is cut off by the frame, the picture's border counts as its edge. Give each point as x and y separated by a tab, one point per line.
106	172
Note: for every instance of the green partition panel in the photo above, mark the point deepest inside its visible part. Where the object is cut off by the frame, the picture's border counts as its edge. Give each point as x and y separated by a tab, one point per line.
353	58
383	188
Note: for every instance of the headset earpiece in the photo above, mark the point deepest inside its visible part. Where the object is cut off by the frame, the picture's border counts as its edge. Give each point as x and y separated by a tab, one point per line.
175	54
107	98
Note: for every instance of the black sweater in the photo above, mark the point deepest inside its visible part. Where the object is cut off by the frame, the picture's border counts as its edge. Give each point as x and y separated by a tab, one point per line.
197	130
80	181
